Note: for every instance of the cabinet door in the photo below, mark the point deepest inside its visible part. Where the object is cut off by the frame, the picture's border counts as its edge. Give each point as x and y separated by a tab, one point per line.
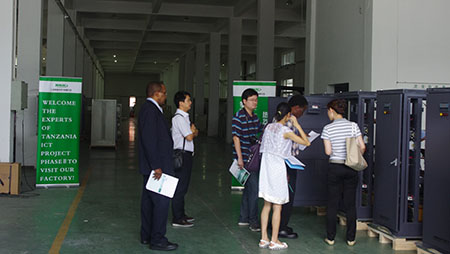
388	160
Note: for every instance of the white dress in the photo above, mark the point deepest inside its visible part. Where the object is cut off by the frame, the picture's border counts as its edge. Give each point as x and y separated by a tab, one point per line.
273	184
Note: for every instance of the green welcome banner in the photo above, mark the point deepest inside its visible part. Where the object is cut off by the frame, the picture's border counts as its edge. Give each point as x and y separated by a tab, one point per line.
265	89
58	131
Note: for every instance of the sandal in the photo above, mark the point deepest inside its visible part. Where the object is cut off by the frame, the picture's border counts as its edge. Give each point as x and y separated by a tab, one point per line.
277	246
263	244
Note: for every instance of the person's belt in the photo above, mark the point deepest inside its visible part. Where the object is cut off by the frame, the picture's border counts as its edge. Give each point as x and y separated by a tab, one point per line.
337	161
188	152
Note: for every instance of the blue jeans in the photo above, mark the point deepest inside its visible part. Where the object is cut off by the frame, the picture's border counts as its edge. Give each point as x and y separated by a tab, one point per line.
249	204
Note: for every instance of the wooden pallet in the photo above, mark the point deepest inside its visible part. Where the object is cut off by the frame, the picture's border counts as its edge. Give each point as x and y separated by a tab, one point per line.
424	250
360	225
385	237
320	210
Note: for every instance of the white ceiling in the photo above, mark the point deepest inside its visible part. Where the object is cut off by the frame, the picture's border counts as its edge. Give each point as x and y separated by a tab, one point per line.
147	36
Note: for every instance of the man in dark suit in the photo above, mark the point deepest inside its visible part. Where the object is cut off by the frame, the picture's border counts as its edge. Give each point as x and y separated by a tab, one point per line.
155	154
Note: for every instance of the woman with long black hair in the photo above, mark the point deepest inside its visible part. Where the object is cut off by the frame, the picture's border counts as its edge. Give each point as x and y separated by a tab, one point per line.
273	185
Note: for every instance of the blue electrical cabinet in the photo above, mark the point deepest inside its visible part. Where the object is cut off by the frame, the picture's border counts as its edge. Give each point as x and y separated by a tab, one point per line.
436	211
398	171
361	110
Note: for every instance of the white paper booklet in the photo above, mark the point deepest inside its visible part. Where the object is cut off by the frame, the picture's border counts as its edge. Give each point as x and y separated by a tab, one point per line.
312	136
166	185
294	163
240	174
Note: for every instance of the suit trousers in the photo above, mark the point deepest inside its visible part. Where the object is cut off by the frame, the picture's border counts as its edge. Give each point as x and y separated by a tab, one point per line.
154	213
184	177
342	183
286	210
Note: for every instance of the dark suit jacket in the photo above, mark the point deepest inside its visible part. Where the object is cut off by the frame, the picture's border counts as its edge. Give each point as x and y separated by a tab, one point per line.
155	141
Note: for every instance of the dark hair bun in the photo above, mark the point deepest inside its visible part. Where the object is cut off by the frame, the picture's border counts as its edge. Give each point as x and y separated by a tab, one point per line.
338	105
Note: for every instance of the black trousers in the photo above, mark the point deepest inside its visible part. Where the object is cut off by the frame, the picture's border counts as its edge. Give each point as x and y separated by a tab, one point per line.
154	213
342	182
184	177
286	210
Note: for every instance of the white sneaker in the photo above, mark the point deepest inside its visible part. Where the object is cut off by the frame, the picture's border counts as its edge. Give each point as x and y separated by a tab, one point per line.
351	243
330	242
243	223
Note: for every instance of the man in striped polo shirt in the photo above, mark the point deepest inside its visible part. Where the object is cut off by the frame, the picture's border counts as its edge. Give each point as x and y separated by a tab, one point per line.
245	127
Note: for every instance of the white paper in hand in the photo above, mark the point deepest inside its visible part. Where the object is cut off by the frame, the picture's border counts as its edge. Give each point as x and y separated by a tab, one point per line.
240	174
312	135
166	185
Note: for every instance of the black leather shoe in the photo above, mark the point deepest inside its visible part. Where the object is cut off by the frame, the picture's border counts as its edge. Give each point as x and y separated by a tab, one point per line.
165	247
145	242
286	234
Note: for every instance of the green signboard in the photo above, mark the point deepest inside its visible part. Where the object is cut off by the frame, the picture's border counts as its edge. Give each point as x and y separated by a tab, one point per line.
265	89
58	131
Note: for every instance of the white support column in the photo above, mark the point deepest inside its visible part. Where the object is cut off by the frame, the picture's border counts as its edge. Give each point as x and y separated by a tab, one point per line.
69	50
79	59
199	80
28	70
310	46
265	41
7	26
189	72
87	77
182	73
214	74
234	66
55	40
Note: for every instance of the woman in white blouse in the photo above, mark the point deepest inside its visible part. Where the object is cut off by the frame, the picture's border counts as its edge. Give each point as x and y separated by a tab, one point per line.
273	185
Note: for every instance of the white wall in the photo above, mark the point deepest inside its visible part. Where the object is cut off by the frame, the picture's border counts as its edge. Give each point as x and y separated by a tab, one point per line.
382	44
7	26
424	42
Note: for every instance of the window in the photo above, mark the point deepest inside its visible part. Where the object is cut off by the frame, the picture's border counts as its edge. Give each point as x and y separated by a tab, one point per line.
287	83
252	68
288	58
132	101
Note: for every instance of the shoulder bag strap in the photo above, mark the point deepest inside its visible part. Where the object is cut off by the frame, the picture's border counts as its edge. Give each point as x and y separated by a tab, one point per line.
184	139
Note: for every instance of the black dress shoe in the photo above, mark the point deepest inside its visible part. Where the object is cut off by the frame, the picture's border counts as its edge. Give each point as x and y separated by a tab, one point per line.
145	242
166	247
286	234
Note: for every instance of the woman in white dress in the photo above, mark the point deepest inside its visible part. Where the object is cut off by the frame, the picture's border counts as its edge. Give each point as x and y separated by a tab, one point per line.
273	185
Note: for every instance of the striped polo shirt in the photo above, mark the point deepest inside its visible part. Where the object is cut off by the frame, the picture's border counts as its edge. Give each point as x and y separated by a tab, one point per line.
245	127
337	132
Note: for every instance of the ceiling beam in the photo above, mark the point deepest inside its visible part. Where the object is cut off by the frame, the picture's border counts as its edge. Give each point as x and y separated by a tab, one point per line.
195	10
118	7
185	27
119	24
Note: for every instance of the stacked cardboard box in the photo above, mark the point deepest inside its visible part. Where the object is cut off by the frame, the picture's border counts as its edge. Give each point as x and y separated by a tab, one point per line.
10	178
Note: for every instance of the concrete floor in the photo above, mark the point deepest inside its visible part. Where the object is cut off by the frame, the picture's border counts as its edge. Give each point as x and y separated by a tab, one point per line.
107	218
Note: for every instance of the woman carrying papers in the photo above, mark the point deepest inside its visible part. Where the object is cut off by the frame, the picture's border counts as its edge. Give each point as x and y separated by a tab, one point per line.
273	186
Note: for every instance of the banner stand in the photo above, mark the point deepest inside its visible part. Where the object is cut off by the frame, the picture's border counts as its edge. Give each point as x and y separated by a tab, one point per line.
58	144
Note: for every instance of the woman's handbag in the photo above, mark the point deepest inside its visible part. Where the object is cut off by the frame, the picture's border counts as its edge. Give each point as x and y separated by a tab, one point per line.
355	159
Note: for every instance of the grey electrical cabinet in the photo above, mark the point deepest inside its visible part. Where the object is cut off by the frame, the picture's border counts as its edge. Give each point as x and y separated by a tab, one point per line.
104	123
